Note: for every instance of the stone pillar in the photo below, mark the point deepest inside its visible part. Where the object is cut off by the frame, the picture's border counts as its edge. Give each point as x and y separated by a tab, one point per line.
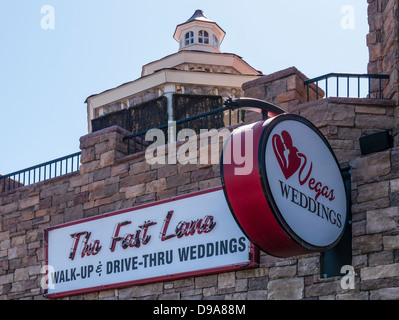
101	149
383	45
284	88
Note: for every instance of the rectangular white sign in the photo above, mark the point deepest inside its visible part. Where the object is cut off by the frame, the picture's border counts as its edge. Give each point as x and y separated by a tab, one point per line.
189	235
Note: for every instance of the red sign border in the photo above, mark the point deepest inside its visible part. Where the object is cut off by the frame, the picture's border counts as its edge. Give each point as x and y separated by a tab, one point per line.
266	187
249	200
254	253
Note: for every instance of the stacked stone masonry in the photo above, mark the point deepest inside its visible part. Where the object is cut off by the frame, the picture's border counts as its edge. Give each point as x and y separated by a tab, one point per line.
110	180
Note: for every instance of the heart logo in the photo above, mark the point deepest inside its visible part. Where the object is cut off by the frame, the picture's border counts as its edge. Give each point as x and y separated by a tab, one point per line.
286	154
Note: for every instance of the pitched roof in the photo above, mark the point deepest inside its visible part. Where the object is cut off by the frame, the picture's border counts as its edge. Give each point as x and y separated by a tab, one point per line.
199	15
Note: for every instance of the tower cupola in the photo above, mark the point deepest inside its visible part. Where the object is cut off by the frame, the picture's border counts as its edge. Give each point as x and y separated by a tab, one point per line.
199	33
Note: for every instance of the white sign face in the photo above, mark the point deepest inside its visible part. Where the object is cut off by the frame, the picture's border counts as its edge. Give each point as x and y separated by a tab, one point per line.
305	183
161	241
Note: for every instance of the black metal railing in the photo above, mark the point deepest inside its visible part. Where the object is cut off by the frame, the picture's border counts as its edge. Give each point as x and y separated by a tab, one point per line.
214	119
336	86
41	172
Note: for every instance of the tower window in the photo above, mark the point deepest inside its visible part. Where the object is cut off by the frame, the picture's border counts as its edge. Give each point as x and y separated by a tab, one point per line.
215	42
203	37
189	38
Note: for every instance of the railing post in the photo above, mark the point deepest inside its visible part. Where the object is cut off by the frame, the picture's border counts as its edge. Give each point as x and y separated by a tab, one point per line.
326	87
347	86
369	81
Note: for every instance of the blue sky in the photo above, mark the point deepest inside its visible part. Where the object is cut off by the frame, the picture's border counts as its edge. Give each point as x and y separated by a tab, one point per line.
45	75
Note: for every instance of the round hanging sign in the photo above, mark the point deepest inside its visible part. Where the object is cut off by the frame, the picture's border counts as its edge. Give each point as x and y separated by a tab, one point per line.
284	186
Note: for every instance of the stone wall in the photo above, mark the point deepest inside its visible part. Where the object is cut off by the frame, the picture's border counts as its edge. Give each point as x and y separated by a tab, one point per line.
110	180
375	211
344	120
375	223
